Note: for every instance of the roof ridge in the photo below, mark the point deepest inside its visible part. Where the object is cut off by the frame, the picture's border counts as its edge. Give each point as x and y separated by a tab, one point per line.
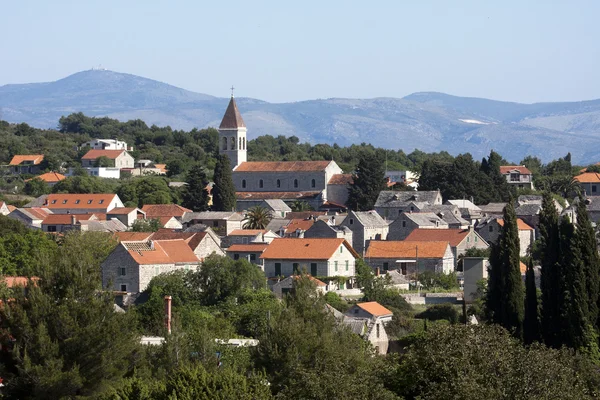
232	119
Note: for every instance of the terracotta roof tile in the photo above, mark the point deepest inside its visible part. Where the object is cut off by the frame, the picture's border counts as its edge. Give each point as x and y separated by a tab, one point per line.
282	166
523	170
38	212
247	232
232	118
588	177
302	224
520	224
341	179
35	158
161	167
132	236
305	249
66	219
404	249
75	201
96	153
248	248
374	308
49	177
121	210
452	236
164	252
275	195
164	210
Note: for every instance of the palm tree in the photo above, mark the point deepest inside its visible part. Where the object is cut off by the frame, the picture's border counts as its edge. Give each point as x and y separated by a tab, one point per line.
257	218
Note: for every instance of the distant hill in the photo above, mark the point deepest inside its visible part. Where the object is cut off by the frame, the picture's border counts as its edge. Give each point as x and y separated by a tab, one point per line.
426	121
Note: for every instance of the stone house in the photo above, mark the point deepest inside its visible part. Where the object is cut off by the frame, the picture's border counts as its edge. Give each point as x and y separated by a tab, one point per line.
327	257
131	265
474	270
365	226
490	230
158	211
448	212
26	163
370	329
391	204
409	221
493	209
323	229
467	209
63	203
222	222
249	251
460	239
246	236
51	178
286	285
31	217
590	183
296	227
337	189
118	158
203	244
518	176
370	310
410	257
66	222
277	207
170	222
127	215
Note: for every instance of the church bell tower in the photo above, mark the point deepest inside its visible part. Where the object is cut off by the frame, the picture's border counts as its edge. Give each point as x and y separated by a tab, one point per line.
232	134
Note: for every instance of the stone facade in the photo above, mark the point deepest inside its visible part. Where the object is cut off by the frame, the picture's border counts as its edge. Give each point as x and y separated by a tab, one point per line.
440	265
124	160
490	231
365	226
321	229
207	246
407	222
342	263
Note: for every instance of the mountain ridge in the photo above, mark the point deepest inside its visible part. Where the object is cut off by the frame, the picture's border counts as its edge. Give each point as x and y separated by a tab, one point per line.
428	121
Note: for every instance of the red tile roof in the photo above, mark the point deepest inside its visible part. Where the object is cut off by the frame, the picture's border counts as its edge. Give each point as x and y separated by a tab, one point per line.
247	232
79	200
96	153
121	210
161	167
302	224
340	179
452	236
520	224
374	308
35	158
588	177
165	219
248	248
505	169
66	219
282	166
305	249
404	249
164	210
232	118
12	281
132	236
49	177
165	252
38	212
275	195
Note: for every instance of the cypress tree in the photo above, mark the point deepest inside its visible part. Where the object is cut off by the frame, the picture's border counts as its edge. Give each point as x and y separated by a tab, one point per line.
513	294
531	324
585	238
368	181
195	195
551	277
223	191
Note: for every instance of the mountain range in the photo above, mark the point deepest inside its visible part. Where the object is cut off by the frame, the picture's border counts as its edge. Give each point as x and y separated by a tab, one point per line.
427	121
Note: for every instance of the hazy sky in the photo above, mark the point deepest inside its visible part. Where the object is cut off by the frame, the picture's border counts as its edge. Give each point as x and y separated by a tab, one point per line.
525	50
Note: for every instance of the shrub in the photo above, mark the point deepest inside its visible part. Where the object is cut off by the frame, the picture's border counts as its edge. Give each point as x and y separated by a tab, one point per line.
440	311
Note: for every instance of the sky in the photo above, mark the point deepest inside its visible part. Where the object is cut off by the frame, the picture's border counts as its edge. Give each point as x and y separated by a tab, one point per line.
283	51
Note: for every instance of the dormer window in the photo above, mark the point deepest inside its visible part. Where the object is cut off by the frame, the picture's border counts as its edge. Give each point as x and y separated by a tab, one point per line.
101	201
77	201
89	202
64	201
53	201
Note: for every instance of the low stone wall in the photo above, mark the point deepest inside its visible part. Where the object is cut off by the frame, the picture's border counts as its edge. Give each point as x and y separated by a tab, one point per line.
433	298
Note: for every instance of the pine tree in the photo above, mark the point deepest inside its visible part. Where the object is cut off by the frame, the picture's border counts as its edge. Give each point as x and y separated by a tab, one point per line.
513	294
551	275
531	324
223	191
195	195
586	243
368	181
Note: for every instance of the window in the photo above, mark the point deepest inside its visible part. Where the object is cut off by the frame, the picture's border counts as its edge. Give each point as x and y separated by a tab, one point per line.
240	144
475	239
252	257
313	183
224	143
244	183
403	268
335	264
351	221
244	240
260	183
295	183
594	189
491	228
278	183
101	201
215	224
232	144
347	265
386	266
51	228
404	224
468	239
356	310
244	143
277	269
313	269
515	177
123	288
412	208
236	256
377	331
53	201
341	248
296	267
122	271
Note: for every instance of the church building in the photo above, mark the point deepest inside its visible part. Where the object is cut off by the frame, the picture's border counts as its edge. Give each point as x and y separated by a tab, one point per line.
322	184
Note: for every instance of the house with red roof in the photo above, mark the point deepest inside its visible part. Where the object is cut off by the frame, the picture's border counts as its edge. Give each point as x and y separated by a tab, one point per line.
410	257
131	265
51	178
518	176
31	217
249	251
26	163
460	240
370	310
157	211
64	203
491	228
66	222
590	183
127	215
118	158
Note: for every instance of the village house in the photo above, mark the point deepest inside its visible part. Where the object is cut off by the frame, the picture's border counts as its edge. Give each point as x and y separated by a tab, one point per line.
590	183
110	226
30	217
286	285
409	221
593	208
460	239
106	144
391	204
222	222
371	310
468	211
118	158
447	212
518	176
296	227
277	207
157	211
245	236
203	244
490	230
65	222
371	330
365	226
26	163
410	257
64	203
493	209
50	178
327	257
127	215
324	229
249	251
131	265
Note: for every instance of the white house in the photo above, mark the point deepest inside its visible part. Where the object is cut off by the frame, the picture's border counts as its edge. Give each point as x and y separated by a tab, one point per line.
106	144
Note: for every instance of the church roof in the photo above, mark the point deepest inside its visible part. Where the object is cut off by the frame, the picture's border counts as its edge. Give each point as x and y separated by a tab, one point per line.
232	118
282	166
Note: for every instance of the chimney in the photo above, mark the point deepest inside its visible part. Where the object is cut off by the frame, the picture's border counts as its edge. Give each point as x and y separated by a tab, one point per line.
377	273
168	300
73	220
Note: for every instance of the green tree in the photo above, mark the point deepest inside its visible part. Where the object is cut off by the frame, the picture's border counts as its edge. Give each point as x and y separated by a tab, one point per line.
257	217
103	161
299	205
368	181
36	187
146	225
531	323
195	195
223	190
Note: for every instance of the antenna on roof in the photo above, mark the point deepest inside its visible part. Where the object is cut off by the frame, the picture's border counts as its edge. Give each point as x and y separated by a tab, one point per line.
232	89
